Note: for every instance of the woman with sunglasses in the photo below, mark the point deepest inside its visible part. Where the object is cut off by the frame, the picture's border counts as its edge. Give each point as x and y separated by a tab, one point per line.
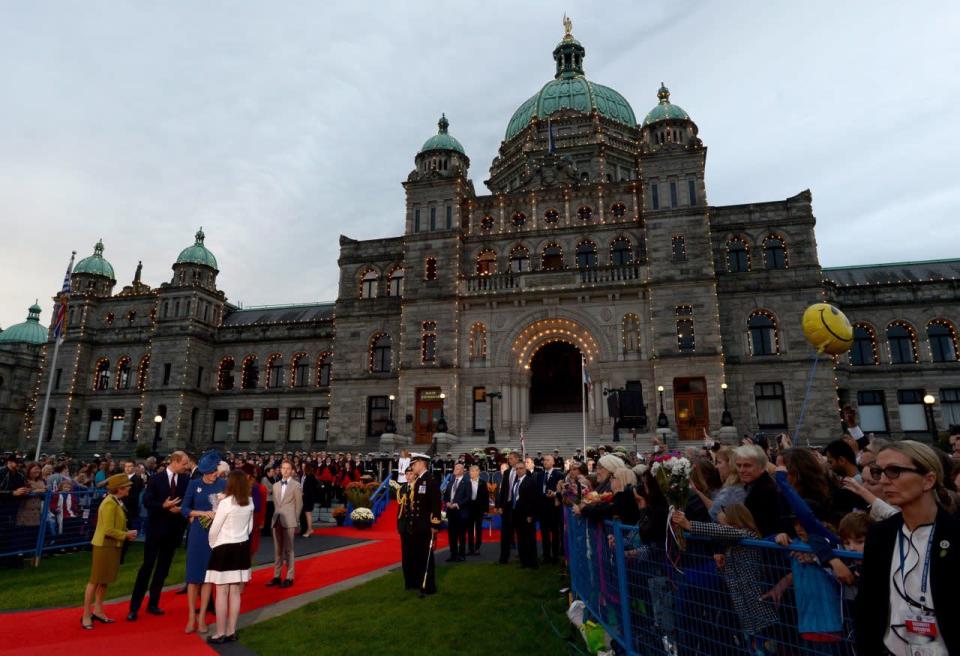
907	604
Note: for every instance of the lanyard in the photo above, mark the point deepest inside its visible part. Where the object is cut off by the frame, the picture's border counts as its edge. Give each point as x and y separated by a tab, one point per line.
926	564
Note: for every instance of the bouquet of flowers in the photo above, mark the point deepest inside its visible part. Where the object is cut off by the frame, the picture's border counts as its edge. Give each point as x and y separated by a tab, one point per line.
672	472
215	500
572	492
479	454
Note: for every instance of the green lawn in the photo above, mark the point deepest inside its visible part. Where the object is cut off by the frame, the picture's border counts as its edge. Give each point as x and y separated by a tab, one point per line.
59	580
481	607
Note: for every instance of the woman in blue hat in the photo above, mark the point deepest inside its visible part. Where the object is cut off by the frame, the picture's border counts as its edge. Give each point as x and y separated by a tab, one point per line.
199	506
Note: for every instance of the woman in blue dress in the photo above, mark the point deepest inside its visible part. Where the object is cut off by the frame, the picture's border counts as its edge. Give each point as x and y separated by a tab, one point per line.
198	508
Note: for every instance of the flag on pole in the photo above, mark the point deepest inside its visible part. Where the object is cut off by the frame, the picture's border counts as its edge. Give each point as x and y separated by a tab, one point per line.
587	381
60	320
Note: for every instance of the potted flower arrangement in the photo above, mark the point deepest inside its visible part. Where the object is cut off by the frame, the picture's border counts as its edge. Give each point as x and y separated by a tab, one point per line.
358	494
339	515
362	518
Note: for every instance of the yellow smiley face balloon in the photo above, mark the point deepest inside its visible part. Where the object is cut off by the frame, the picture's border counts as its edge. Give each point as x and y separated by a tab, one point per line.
827	329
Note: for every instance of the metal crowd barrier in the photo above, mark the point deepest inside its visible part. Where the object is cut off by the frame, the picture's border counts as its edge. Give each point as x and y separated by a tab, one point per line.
661	601
36	523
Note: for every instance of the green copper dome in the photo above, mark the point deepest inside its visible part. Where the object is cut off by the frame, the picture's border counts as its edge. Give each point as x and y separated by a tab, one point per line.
95	265
665	110
198	253
442	140
570	89
28	332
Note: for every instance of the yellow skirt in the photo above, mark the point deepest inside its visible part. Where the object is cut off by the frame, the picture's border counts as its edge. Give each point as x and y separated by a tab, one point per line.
106	565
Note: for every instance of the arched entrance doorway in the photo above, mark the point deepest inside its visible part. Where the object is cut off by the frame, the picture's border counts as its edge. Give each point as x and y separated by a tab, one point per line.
555	378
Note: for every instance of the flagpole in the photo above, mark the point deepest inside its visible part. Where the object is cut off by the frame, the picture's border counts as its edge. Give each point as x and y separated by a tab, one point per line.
583	402
46	399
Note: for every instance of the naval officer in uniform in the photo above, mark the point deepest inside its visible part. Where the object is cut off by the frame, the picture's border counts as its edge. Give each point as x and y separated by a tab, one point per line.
404	502
423	522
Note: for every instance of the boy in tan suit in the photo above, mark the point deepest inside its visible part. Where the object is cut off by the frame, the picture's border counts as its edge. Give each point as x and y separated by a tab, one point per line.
288	502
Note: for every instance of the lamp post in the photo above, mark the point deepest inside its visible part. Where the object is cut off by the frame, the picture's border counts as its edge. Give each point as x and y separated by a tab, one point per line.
441	426
725	418
491	433
662	421
391	426
157	421
928	401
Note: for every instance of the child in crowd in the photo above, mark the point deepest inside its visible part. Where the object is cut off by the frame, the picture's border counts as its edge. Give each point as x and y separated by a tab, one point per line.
741	571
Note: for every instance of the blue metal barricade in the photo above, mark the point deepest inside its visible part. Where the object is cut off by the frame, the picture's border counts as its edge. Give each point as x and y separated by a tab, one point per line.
33	524
718	597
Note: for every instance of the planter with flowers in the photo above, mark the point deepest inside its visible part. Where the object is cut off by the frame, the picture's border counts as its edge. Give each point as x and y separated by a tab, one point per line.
339	515
362	518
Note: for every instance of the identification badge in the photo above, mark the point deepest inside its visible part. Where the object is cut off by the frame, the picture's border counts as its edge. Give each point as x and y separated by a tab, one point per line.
922	625
422	489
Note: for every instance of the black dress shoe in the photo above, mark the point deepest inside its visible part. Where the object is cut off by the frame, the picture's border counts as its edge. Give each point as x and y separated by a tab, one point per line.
274	581
132	616
287	583
155	610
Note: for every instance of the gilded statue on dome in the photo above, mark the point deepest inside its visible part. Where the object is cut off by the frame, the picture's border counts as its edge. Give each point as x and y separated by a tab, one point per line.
567	27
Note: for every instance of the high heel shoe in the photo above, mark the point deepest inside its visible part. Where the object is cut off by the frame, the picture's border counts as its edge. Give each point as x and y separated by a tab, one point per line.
87	627
217	640
103	620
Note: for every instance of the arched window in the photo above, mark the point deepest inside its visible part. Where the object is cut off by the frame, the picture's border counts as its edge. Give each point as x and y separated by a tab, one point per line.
943	340
225	374
368	284
519	259
142	370
428	342
275	371
486	223
551	216
551	259
486	263
249	373
902	339
585	213
738	255
686	338
430	268
621	252
478	341
381	355
864	351
299	370
324	367
762	327
101	375
124	373
395	287
586	255
774	253
618	210
519	219
631	333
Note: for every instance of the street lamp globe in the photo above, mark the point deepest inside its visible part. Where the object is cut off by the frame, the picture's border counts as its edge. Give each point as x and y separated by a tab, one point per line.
158	419
723	386
929	399
660	388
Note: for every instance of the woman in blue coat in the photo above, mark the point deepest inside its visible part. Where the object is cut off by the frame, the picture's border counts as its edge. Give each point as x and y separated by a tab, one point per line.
198	507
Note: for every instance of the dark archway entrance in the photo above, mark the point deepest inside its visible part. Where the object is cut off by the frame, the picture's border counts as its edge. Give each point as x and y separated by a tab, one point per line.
555	382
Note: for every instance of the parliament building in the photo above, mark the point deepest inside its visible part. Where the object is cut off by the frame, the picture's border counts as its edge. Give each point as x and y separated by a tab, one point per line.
594	242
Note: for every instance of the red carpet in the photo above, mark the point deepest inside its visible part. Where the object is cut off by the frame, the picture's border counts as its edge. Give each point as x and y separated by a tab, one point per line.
49	631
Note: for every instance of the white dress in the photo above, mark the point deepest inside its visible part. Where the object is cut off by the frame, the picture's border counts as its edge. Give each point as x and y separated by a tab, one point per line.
230	541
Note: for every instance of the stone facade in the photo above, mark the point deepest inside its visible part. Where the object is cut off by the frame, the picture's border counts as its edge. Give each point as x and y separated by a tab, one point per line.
596	235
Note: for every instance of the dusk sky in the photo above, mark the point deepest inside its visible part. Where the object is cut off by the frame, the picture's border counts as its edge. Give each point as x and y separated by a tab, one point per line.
279	126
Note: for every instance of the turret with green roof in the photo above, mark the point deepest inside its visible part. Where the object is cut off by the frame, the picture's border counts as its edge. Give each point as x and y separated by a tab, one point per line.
198	253
28	332
96	264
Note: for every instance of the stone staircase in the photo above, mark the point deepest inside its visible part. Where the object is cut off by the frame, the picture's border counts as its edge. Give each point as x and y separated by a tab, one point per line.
552	430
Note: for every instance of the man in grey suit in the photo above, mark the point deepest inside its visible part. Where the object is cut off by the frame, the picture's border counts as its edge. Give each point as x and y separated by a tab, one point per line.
288	502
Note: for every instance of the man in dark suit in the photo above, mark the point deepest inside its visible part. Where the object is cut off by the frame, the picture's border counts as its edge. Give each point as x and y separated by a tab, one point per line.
547	481
525	505
165	526
504	502
131	502
478	506
423	523
457	500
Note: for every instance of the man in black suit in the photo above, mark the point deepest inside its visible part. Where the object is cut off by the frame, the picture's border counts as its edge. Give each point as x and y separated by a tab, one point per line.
423	523
504	502
525	505
131	502
165	525
457	500
479	504
547	481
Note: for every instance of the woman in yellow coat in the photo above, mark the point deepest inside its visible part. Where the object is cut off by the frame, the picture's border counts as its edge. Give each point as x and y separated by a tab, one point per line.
107	544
